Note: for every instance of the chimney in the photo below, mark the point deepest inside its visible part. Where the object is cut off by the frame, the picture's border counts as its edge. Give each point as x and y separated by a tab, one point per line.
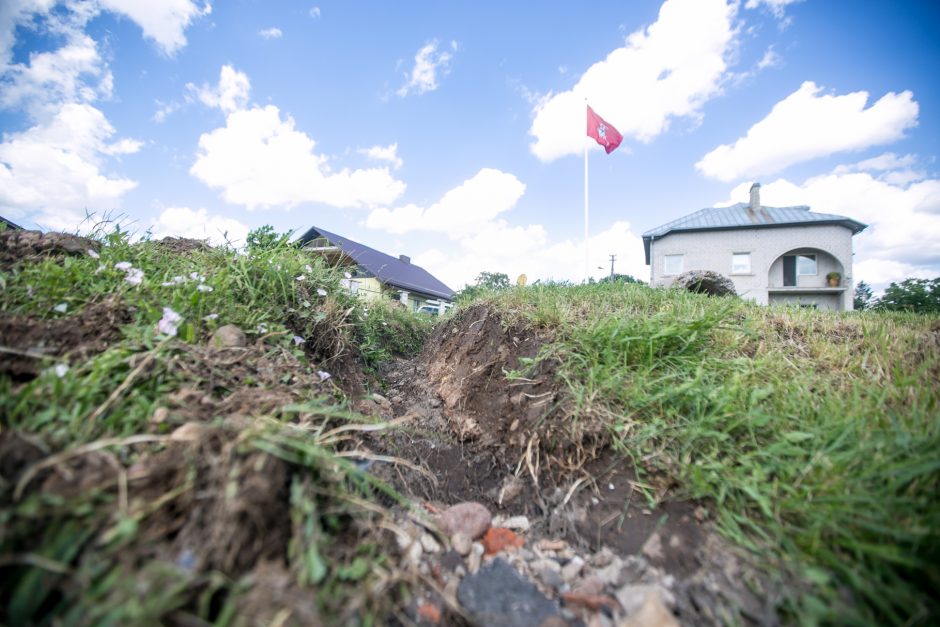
404	258
755	197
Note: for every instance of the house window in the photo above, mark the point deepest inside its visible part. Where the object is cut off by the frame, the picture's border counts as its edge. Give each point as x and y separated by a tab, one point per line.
672	264
805	265
741	263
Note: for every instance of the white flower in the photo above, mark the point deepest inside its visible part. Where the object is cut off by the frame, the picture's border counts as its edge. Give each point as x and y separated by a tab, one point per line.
308	268
305	303
347	275
299	277
321	291
212	316
345	283
298	340
168	323
60	370
202	287
134	276
61	307
324	375
263	327
93	254
123	265
278	266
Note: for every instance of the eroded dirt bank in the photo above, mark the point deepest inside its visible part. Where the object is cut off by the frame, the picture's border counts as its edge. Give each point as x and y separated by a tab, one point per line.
591	543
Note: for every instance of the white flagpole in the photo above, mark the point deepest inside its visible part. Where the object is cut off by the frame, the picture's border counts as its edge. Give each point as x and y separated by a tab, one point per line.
587	248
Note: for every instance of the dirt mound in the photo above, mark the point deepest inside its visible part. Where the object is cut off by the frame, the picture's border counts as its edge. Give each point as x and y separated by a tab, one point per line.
29	343
182	245
17	246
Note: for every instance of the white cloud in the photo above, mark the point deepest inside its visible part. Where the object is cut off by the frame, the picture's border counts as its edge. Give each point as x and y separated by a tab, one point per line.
462	210
388	154
53	171
528	250
885	161
230	94
73	73
777	7
806	125
260	161
669	70
164	110
198	224
904	219
770	59
271	33
428	62
314	12
164	22
13	12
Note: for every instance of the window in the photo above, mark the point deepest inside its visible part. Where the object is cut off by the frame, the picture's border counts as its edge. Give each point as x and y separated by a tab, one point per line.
672	264
805	265
741	263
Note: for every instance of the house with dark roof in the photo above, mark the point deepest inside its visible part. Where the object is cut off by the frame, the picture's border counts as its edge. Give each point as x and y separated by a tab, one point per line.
378	275
7	224
774	255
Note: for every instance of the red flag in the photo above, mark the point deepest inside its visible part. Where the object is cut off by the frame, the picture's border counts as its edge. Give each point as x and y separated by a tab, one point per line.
602	132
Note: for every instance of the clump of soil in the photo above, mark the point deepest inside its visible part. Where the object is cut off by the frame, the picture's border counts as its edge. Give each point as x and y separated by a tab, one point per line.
30	342
20	246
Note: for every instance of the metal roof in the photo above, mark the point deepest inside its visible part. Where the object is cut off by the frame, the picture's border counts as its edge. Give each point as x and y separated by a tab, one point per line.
742	216
387	269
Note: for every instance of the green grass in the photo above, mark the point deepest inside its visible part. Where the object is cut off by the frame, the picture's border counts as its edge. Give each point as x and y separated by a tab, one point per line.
815	435
68	560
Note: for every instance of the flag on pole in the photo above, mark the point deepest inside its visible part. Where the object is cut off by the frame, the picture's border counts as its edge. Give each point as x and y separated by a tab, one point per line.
602	132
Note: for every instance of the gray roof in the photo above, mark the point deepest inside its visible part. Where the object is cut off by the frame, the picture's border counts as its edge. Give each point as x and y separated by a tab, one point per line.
387	269
741	216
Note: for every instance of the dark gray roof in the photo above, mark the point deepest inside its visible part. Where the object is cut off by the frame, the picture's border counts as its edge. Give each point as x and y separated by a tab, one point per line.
10	225
741	216
387	269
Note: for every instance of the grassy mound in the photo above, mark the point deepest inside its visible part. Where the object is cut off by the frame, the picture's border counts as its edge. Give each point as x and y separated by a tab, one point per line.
815	435
149	475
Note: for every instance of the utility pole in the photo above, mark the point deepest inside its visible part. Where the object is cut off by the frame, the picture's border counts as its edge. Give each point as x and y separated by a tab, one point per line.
612	257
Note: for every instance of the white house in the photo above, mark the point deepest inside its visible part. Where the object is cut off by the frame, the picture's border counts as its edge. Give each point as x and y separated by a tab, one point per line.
774	255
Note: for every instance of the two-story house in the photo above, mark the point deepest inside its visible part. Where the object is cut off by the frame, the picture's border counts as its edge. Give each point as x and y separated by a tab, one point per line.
774	255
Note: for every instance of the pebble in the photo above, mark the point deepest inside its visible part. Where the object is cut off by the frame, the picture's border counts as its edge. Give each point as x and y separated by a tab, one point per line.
160	414
413	553
512	487
228	336
475	558
572	569
653	547
651	612
429	544
471	519
551	578
519	523
461	543
551	545
498	595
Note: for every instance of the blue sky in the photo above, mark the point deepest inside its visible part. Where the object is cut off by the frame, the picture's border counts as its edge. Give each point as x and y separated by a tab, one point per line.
454	132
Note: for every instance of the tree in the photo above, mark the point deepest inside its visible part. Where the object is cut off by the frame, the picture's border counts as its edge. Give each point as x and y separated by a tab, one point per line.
917	295
863	296
485	281
620	278
265	238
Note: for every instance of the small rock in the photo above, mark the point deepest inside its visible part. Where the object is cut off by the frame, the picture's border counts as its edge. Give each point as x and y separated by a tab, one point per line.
160	414
653	547
461	543
471	519
572	569
589	586
700	513
228	336
451	561
189	432
551	545
675	541
549	577
519	523
498	595
475	558
602	558
499	539
429	544
650	612
612	574
413	553
435	402
397	400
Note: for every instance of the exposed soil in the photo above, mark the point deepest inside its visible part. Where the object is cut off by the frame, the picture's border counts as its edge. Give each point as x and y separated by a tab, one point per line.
28	344
20	246
504	443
